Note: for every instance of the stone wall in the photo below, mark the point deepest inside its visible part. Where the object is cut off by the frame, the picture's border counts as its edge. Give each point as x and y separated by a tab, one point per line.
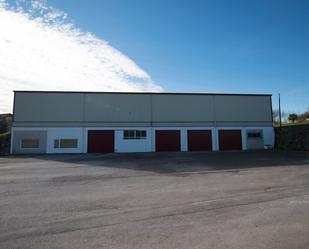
292	137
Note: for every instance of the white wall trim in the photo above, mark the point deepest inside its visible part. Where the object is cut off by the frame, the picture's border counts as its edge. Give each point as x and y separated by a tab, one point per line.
142	145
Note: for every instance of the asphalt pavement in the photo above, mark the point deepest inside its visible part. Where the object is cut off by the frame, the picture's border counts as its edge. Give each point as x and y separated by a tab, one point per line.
155	200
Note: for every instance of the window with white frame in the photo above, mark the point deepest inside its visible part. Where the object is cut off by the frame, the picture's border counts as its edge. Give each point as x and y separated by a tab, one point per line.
134	134
30	143
65	143
254	134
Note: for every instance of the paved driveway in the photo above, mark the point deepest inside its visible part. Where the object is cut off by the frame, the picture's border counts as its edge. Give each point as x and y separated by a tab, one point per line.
176	200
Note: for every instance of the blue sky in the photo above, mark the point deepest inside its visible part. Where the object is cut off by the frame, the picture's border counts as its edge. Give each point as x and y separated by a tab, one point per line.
229	46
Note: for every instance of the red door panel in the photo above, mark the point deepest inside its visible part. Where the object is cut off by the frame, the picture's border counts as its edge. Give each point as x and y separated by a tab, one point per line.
199	140
230	140
168	140
101	141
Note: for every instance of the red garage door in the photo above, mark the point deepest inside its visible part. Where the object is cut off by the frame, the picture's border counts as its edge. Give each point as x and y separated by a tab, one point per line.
168	140
100	141
230	140
199	140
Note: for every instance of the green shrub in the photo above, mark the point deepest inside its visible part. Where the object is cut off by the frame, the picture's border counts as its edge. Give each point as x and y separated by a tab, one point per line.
5	140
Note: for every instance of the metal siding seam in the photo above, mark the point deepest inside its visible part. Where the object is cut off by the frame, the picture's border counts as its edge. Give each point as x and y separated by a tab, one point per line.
83	124
151	124
215	124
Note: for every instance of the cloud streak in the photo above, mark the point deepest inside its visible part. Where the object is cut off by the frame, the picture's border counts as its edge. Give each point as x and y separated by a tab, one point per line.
41	50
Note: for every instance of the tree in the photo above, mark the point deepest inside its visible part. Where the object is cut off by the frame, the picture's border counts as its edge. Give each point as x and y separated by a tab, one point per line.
4	126
303	117
292	117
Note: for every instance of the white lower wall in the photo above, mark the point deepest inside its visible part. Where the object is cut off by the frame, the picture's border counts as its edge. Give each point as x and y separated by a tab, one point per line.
138	145
214	138
124	145
64	133
269	136
57	133
133	145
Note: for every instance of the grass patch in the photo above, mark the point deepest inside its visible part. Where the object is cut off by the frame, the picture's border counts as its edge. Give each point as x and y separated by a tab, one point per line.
292	124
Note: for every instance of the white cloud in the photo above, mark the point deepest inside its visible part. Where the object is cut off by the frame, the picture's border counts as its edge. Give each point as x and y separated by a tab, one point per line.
41	50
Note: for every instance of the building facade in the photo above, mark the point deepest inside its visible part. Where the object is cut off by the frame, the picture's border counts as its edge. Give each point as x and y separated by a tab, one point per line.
101	122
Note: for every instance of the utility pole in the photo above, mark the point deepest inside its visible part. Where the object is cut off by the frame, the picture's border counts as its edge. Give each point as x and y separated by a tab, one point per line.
280	112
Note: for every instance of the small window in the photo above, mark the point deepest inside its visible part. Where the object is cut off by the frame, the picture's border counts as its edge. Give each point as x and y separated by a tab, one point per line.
56	143
134	134
131	134
30	143
125	134
143	134
255	134
65	143
138	134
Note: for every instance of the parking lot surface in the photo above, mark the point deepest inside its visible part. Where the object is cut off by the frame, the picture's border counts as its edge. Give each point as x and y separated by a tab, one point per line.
148	200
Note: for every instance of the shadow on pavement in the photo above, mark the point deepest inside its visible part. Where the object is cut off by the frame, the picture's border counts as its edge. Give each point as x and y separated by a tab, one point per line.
177	162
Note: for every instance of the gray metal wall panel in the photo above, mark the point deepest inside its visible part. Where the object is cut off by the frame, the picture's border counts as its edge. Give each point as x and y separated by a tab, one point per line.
242	108
48	107
47	124
117	107
19	135
212	124
182	108
107	109
244	124
183	124
117	124
142	124
80	124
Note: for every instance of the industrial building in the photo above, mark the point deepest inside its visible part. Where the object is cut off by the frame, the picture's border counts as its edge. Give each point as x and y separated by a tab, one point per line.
102	122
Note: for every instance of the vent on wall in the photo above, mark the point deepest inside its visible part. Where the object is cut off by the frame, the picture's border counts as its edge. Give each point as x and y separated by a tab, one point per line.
65	143
30	143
